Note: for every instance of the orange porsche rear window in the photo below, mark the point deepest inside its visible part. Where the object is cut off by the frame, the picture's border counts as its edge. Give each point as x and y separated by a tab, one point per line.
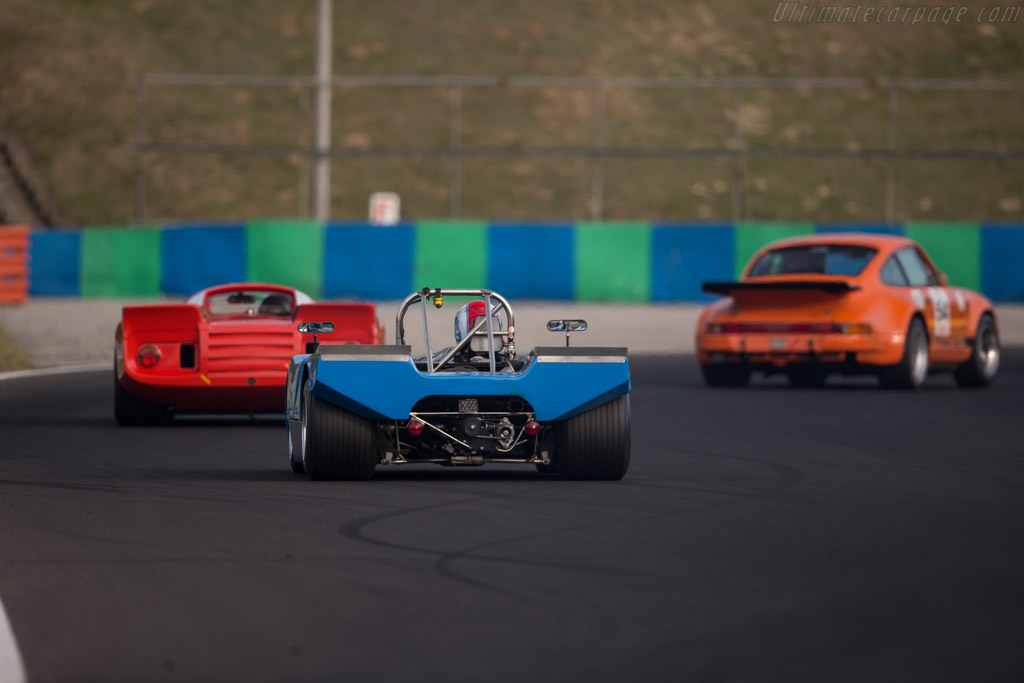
816	259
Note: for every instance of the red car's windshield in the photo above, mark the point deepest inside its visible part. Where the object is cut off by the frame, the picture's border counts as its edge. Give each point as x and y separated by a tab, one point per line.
251	302
815	259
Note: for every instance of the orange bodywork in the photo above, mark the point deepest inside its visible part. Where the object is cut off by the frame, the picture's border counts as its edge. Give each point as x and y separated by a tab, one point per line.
853	323
209	362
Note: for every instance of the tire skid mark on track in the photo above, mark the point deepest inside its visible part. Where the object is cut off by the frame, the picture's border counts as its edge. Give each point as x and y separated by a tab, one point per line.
444	564
195	560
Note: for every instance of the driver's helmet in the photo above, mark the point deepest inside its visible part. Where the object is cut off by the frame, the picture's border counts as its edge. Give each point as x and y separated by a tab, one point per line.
467	317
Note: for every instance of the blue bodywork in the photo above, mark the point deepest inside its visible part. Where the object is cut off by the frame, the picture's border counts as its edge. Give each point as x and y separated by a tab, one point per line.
388	386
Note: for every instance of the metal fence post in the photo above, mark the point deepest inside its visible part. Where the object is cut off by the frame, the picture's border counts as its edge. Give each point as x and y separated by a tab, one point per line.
597	161
324	59
738	189
890	174
141	127
455	158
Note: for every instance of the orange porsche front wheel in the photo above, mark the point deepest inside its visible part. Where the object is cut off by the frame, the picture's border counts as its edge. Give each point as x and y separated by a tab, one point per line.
980	369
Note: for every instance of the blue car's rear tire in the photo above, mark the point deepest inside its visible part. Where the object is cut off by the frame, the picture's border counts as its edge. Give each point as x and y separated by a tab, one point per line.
337	444
596	444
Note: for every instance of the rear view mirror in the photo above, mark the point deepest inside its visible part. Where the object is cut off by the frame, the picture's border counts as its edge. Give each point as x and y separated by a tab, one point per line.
241	298
567	325
943	280
316	328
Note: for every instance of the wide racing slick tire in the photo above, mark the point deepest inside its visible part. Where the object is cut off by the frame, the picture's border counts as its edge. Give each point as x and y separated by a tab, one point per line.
293	453
912	369
726	374
133	412
980	369
337	444
596	444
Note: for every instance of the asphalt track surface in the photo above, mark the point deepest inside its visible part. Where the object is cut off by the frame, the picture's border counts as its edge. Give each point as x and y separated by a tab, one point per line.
764	534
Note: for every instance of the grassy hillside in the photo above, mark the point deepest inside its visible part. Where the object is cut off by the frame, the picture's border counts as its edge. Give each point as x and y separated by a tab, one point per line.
12	357
67	87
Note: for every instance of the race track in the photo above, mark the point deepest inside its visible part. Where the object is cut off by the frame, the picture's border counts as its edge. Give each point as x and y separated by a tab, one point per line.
765	534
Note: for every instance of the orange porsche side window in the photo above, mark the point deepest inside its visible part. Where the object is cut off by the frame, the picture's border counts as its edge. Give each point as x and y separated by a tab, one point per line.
892	273
918	272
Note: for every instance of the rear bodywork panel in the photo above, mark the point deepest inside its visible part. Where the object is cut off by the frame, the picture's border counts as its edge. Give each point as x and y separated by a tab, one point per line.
384	383
224	363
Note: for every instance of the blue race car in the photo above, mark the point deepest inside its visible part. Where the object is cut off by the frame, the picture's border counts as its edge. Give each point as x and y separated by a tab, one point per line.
563	409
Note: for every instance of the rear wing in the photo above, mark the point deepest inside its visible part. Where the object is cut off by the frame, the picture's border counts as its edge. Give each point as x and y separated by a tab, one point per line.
728	288
353	323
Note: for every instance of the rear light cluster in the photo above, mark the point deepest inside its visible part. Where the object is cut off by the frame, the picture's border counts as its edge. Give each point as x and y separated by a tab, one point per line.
148	355
788	328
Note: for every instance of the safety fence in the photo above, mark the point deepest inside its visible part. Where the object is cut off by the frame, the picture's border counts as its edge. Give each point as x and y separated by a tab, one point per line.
582	261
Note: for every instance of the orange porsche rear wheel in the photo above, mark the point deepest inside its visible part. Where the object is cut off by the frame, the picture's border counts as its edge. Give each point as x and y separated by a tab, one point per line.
912	369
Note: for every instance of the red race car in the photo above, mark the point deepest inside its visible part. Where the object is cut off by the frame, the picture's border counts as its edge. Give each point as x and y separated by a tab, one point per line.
226	349
846	304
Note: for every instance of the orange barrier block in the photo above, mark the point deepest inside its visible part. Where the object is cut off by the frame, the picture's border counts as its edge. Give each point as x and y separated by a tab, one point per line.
13	264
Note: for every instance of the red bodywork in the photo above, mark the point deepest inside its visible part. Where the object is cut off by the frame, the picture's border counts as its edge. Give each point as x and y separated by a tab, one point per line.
226	363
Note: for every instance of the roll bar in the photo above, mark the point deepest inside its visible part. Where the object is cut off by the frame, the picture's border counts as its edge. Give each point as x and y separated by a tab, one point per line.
437	297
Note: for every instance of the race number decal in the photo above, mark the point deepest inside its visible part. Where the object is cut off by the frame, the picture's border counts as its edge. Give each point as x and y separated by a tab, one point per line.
918	297
940	304
961	305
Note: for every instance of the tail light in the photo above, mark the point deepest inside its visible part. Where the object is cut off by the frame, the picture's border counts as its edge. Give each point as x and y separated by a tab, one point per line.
415	427
788	328
148	355
532	427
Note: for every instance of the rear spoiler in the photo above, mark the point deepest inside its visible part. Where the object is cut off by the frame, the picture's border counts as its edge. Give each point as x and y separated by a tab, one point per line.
727	288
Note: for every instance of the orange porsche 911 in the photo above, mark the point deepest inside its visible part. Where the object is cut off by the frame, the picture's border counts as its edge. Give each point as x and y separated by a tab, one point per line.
847	304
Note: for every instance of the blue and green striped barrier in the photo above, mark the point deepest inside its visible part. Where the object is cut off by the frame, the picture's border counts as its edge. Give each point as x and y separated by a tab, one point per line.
583	261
